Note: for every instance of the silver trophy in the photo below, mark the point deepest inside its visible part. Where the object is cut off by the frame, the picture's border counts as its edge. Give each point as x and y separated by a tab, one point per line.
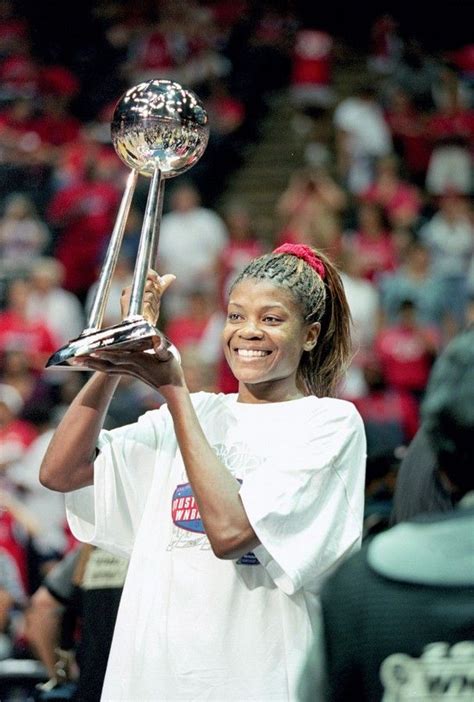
159	130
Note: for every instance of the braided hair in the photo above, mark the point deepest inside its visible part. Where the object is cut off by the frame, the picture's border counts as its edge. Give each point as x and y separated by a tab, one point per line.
323	301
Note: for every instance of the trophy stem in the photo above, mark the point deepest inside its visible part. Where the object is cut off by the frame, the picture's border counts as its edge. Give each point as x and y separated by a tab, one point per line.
156	233
100	298
148	243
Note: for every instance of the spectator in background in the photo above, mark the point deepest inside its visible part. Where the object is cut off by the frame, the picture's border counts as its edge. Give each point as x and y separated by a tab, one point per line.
463	58
449	236
47	617
55	124
311	197
398	616
363	300
362	138
23	235
19	332
15	371
371	242
83	214
197	334
411	140
50	303
19	71
311	73
37	390
451	128
192	238
188	328
17	527
227	116
13	27
16	434
416	73
243	245
400	199
414	280
385	45
407	350
450	92
45	507
177	46
390	414
12	597
24	159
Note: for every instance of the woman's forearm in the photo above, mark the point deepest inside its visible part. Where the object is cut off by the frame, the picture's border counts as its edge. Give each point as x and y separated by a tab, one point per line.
69	460
214	487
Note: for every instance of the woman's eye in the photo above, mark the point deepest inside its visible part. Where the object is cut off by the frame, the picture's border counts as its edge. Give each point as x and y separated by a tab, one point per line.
233	316
271	320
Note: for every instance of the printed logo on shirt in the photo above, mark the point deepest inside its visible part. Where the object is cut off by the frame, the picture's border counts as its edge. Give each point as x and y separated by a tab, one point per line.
185	515
248	559
184	510
188	529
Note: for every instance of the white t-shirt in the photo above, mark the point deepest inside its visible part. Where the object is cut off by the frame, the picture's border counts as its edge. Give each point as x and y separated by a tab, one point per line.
191	626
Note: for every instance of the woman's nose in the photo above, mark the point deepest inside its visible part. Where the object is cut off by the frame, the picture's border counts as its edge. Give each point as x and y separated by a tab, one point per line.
250	330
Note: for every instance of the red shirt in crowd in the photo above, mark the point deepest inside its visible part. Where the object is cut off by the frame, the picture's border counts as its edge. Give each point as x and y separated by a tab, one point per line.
390	406
375	255
185	330
34	338
15	437
57	131
405	355
86	213
312	58
410	130
396	199
14	539
454	124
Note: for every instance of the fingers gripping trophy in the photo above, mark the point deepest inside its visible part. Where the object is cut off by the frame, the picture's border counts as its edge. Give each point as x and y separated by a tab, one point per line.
160	130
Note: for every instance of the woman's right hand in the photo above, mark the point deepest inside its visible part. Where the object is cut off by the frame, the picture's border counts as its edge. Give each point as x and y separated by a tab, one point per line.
155	286
151	366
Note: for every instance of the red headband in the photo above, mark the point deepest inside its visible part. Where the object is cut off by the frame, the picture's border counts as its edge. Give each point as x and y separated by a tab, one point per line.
306	253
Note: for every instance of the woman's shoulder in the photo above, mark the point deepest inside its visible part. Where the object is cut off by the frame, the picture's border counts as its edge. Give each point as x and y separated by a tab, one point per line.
334	410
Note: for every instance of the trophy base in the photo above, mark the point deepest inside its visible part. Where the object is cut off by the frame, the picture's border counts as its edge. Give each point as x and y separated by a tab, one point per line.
135	334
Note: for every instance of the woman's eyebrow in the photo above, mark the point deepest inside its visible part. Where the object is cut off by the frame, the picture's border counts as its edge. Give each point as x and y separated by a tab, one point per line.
263	308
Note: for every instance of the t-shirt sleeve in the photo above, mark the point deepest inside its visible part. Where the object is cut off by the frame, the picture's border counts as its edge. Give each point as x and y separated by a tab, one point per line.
108	513
307	508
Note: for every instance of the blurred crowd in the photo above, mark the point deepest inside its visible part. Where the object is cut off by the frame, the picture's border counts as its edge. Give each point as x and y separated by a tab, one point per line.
385	187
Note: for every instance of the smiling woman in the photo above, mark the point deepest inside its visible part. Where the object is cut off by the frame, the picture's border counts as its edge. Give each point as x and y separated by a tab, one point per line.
233	509
314	300
264	339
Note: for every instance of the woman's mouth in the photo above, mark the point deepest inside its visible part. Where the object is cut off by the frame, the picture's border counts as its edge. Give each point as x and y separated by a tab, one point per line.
251	353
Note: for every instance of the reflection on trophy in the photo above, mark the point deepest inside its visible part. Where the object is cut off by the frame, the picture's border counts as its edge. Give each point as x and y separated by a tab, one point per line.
160	130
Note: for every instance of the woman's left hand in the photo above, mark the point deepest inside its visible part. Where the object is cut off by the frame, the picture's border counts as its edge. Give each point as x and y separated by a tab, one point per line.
147	366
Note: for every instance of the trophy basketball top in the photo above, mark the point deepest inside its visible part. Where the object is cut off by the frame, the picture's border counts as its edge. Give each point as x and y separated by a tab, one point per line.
159	124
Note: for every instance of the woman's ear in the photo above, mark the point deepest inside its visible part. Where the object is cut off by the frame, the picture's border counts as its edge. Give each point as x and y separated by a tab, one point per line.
312	334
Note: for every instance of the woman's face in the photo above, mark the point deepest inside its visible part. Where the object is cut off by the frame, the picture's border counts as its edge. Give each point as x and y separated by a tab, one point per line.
264	338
